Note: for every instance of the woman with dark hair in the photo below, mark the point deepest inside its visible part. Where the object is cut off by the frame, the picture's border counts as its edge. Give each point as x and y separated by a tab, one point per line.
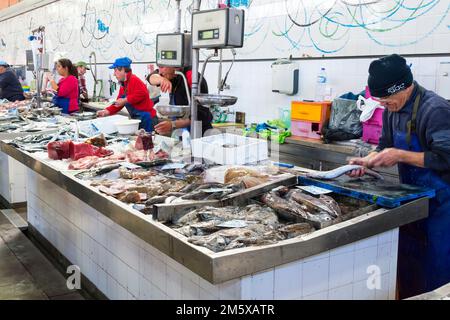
67	88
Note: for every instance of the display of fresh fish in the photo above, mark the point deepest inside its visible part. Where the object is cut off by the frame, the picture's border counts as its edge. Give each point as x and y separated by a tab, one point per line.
110	191
219	240
288	210
175	194
331	203
205	227
155	200
291	210
170	199
296	229
335	173
312	203
130	197
89	174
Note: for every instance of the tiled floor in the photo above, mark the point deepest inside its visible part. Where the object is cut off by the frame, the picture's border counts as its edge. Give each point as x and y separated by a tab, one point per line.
25	273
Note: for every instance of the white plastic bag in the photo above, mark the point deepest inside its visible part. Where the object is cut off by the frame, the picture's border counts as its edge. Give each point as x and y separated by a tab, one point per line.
367	107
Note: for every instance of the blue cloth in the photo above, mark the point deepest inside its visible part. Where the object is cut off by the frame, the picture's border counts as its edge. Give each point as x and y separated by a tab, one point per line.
424	245
121	62
264	126
4	63
63	103
352	96
145	117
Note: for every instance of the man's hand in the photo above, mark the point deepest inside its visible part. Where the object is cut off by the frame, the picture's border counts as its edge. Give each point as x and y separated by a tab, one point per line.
362	162
166	85
164	127
120	102
102	113
387	158
359	161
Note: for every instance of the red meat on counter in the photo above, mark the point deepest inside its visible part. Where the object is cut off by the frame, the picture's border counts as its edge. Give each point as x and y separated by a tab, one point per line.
58	150
81	150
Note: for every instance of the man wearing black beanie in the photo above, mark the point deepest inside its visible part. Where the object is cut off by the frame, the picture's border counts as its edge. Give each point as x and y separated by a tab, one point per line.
416	137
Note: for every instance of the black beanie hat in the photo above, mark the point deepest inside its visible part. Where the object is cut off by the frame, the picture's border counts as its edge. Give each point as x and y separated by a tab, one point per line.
389	75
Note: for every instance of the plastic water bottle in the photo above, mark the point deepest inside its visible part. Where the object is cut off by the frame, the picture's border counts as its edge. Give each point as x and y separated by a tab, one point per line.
321	85
186	139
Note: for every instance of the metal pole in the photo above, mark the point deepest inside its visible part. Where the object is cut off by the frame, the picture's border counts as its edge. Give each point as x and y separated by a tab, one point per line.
178	18
219	82
195	61
40	57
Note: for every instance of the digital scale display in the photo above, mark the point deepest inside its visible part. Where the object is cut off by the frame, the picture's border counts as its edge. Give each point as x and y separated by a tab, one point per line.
169	55
208	34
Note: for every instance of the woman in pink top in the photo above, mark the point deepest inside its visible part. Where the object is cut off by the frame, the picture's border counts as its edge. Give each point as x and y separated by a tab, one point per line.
67	87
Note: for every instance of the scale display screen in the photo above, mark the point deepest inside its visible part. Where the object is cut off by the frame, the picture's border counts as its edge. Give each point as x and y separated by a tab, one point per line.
208	34
169	55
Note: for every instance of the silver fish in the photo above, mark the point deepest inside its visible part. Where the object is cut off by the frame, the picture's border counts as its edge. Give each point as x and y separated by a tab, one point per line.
331	203
335	173
312	203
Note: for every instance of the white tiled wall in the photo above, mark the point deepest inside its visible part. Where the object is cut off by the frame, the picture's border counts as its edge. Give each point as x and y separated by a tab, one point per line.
12	179
251	82
124	267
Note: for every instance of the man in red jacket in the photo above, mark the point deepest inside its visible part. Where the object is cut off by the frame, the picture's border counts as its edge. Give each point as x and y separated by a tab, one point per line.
133	95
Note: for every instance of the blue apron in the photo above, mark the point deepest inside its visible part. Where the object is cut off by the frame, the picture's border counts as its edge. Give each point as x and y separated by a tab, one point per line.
424	245
61	102
144	116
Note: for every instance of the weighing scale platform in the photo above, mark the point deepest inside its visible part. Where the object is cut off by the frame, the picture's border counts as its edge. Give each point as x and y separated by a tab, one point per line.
383	193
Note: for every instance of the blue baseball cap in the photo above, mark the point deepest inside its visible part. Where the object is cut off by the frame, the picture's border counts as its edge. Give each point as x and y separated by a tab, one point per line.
121	62
4	63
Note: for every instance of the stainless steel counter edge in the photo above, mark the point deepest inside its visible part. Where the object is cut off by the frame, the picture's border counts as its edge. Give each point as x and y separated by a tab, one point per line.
220	267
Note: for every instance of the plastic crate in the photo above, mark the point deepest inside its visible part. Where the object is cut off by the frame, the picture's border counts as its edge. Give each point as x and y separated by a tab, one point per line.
311	111
377	117
371	133
306	129
372	128
230	149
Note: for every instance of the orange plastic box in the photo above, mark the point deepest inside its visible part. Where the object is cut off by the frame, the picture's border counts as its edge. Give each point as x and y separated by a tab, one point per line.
318	112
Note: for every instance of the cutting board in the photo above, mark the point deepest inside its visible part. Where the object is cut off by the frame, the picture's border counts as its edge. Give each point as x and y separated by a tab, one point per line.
384	193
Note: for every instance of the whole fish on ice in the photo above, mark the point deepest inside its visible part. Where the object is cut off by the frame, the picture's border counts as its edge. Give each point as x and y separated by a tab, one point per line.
335	173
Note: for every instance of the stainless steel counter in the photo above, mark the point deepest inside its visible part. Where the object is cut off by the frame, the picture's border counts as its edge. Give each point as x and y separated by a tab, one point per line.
220	267
314	154
96	106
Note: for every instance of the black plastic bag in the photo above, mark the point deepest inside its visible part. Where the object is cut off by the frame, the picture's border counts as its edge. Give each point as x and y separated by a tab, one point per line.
344	121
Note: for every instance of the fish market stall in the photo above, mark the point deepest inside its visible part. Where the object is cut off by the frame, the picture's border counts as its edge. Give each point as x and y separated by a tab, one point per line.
19	120
148	228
